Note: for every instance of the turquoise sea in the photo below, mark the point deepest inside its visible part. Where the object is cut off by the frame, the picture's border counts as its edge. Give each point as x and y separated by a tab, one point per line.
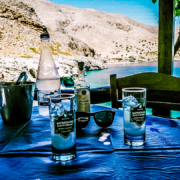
100	78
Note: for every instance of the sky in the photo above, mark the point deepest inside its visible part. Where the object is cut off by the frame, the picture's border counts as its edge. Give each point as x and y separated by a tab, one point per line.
140	10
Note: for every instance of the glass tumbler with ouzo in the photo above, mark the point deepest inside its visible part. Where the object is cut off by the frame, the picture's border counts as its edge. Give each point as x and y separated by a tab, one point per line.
134	115
63	126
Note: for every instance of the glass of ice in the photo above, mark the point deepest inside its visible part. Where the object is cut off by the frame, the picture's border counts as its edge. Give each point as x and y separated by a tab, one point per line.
63	126
134	115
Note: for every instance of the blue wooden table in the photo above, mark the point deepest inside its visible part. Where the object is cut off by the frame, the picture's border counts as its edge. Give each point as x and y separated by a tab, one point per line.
25	151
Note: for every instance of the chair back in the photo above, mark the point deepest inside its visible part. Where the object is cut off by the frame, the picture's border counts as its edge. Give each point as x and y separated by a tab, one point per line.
163	91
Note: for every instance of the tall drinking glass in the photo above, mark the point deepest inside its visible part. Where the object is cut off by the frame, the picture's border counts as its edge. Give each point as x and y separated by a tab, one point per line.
63	126
134	110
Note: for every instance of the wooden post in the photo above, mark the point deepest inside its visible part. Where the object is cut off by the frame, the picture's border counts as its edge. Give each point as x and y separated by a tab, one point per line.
113	91
166	37
165	44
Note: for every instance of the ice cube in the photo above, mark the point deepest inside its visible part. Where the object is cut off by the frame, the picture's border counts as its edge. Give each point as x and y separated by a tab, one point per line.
52	109
52	115
130	101
59	108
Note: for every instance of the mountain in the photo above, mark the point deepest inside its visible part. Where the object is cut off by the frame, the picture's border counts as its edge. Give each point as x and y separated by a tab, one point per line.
73	31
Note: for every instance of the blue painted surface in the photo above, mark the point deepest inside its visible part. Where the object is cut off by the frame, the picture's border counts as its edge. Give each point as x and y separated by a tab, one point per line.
148	123
154	130
25	151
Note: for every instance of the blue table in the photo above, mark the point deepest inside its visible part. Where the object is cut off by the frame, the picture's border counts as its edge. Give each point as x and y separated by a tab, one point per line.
25	151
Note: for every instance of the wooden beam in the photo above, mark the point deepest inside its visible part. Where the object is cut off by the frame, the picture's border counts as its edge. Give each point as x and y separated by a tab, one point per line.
151	81
166	37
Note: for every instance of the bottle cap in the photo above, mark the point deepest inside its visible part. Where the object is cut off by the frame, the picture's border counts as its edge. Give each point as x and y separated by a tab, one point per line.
44	36
45	33
81	65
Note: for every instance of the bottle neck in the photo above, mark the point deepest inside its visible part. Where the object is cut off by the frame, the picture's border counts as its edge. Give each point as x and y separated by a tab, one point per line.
44	39
45	45
81	75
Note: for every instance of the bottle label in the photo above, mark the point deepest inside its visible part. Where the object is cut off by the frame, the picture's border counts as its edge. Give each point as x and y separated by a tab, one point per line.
64	125
138	114
83	100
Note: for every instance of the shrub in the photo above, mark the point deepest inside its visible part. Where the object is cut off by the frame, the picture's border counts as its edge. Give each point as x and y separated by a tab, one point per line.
58	44
65	53
1	35
32	73
34	50
131	60
27	56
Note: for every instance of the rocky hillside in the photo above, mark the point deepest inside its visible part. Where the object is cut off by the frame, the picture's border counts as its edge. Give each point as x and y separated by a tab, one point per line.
74	31
10	68
20	29
19	25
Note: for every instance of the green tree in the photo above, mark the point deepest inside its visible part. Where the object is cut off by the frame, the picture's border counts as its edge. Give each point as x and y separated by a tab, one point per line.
177	7
177	14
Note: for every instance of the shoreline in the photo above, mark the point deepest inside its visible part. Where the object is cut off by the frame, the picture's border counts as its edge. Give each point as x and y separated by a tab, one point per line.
111	63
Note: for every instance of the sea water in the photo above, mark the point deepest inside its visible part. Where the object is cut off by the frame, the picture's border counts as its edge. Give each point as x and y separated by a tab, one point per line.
101	78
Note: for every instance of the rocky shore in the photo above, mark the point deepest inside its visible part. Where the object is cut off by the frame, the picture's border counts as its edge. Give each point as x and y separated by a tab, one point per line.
10	68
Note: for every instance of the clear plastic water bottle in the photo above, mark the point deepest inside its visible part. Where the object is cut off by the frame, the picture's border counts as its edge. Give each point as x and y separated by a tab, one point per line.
48	79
